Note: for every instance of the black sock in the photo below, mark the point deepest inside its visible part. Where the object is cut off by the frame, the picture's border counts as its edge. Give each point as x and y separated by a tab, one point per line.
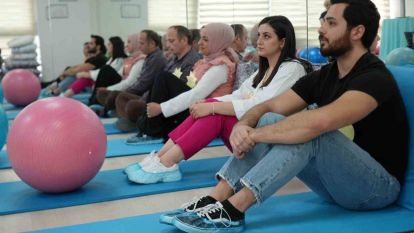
234	213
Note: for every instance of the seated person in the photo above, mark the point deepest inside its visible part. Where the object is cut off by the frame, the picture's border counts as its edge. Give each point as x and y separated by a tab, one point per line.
240	39
279	70
96	60
195	36
276	141
107	73
211	77
130	72
130	106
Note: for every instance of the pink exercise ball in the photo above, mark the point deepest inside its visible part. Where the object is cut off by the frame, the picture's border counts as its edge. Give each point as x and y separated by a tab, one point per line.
20	87
56	145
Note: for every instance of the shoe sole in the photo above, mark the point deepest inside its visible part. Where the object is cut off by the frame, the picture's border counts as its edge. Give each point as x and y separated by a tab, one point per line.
167	220
190	229
174	178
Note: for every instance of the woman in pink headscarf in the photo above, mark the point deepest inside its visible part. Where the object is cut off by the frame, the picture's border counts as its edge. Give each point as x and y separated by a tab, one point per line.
129	74
212	76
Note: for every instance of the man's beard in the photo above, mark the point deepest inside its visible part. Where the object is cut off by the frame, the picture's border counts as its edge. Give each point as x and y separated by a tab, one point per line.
336	48
92	50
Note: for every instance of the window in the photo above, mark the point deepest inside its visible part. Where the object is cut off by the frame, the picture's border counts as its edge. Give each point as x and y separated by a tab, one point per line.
16	19
163	14
245	12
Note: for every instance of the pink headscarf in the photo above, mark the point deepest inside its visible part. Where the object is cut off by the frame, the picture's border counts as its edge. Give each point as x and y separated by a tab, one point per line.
220	37
135	55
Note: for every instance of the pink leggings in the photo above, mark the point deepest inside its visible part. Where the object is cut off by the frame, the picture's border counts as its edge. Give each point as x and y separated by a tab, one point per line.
80	84
195	134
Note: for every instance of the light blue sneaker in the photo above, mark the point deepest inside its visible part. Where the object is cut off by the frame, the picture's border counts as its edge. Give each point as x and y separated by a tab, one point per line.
212	218
143	139
155	172
137	166
197	204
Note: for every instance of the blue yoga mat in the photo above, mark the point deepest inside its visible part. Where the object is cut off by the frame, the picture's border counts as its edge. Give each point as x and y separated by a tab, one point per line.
17	197
11	115
295	213
12	110
9	107
110	128
115	148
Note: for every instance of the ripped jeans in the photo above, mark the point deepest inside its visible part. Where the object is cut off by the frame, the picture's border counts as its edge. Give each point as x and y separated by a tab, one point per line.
331	165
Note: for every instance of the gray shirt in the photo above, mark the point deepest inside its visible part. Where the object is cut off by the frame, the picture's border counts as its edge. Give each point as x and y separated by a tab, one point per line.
153	65
184	65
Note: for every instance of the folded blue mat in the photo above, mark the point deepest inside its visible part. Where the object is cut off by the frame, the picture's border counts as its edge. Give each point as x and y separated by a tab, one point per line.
115	148
17	197
297	213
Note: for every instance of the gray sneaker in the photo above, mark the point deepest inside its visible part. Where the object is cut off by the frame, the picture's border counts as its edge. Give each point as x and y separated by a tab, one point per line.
140	139
125	125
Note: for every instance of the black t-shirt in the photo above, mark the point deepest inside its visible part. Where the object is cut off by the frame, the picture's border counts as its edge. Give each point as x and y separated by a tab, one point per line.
98	61
384	132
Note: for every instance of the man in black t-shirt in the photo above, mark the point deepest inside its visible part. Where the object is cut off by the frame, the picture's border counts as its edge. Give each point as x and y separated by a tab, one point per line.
97	58
270	149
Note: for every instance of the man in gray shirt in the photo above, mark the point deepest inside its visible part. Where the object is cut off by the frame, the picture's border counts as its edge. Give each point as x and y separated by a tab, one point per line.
179	66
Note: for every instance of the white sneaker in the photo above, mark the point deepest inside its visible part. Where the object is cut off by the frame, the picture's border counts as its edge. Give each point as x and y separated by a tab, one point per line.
147	160
155	166
144	162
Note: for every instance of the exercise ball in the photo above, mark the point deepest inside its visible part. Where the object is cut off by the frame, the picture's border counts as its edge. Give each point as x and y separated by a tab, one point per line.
20	87
4	127
400	57
313	55
56	144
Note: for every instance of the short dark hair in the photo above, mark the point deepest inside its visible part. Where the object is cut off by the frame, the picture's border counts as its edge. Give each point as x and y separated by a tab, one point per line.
361	12
101	42
118	48
238	29
153	36
195	34
183	32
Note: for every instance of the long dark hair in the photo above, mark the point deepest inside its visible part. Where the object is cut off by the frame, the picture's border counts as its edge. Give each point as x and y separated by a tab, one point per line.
118	49
283	28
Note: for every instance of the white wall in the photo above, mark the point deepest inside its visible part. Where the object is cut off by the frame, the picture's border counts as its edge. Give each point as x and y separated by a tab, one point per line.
61	39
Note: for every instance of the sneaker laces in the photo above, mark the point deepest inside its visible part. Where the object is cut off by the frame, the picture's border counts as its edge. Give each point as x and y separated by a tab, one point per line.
148	158
194	202
210	210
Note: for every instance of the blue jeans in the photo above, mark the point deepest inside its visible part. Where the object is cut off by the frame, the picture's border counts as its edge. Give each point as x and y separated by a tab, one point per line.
331	165
65	83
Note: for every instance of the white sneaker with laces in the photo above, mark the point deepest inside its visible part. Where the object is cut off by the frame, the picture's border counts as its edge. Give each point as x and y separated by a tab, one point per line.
154	172
144	162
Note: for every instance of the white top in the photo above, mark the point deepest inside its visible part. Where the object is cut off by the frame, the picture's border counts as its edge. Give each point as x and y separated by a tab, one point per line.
117	64
213	78
133	77
247	96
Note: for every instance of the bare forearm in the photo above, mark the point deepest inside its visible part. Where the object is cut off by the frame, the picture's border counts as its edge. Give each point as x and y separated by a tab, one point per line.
224	108
297	128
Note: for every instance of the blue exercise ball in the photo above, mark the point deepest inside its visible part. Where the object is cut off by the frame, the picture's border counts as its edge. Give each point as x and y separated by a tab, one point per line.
400	57
313	55
4	127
